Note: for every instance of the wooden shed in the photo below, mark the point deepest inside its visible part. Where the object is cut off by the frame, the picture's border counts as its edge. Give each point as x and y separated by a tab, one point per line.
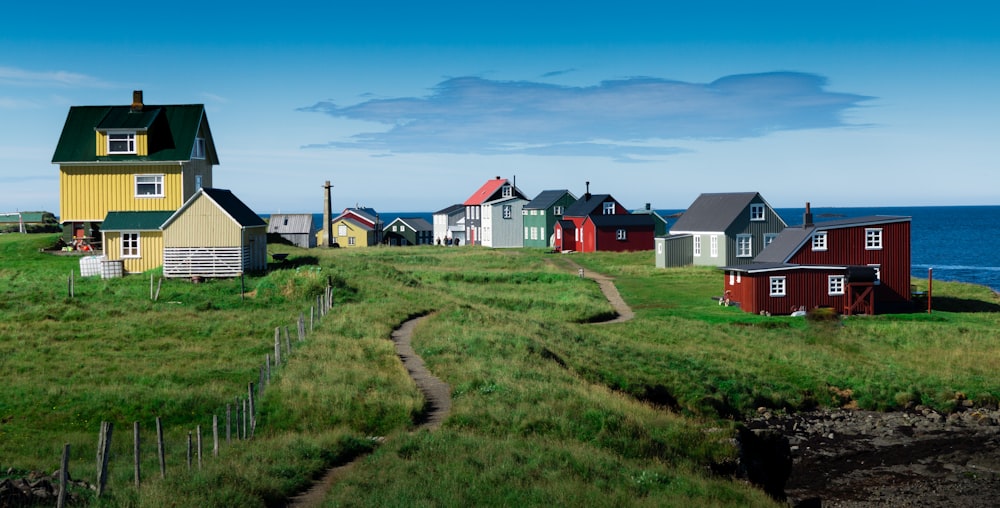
135	239
297	228
214	234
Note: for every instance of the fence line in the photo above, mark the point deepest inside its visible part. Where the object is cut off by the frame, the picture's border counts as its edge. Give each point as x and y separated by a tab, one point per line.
246	418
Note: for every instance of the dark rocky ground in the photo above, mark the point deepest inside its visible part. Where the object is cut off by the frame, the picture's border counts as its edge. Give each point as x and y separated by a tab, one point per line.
845	458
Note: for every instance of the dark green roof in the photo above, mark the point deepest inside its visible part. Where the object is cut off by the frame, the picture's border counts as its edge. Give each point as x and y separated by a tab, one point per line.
171	129
135	221
236	209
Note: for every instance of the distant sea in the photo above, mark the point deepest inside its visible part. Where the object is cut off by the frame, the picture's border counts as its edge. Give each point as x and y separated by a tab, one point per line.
961	243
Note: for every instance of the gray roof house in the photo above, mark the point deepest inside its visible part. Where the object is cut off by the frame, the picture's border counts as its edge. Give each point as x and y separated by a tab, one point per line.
297	228
720	229
408	231
449	224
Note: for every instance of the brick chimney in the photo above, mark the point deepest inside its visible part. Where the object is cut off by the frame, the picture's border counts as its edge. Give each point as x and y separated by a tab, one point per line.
137	100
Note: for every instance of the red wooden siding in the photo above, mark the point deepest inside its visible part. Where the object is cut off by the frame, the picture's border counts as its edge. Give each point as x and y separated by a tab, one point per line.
803	288
846	246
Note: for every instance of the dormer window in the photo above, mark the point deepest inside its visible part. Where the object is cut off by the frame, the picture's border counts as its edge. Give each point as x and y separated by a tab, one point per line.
198	150
756	211
609	208
121	142
507	191
557	210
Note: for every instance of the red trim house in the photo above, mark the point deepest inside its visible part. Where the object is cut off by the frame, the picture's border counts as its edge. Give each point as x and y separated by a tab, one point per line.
855	266
498	188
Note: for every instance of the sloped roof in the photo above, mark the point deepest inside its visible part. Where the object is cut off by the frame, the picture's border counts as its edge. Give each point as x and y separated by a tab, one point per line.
353	222
366	214
566	224
791	239
415	223
135	221
586	205
453	209
547	198
484	192
715	211
624	220
289	223
172	131
228	202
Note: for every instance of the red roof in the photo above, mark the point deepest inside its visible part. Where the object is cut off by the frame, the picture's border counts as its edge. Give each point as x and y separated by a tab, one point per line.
484	192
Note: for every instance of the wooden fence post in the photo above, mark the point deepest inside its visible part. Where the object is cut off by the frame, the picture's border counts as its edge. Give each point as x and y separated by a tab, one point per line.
312	312
199	446
288	343
135	452
215	435
63	477
267	361
253	413
277	346
159	448
302	327
103	451
189	450
229	415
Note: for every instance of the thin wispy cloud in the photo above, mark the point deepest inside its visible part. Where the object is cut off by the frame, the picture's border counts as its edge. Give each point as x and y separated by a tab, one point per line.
626	119
22	77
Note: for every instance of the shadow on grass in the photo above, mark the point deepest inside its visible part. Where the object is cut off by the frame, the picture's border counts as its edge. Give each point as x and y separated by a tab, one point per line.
292	263
949	304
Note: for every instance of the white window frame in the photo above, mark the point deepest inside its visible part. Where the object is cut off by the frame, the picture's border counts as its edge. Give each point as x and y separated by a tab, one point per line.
769	237
757	212
534	233
621	234
558	233
777	285
713	246
508	211
351	240
878	273
609	208
341	230
525	232
835	285
744	246
198	149
507	191
819	241
873	238
131	244
557	210
157	183
117	137
697	245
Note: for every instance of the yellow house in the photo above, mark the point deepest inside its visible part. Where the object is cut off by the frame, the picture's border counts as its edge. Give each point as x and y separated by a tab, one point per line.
128	158
348	232
135	239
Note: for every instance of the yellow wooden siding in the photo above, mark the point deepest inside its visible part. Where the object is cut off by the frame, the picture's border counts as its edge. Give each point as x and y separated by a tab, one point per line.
203	224
89	193
101	149
362	237
150	251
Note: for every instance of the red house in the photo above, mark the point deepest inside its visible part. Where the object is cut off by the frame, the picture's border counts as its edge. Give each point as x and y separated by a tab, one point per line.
855	266
599	222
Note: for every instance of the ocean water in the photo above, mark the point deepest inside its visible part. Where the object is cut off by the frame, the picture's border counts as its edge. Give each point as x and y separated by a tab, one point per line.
961	243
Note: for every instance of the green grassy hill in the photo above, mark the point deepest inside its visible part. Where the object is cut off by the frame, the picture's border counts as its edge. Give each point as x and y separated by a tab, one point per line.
547	409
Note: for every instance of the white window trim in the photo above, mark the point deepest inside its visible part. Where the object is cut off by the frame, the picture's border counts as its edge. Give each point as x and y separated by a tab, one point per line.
508	211
138	245
873	238
835	285
621	234
757	212
819	241
776	286
740	253
697	245
557	210
609	208
769	238
713	247
159	185
130	140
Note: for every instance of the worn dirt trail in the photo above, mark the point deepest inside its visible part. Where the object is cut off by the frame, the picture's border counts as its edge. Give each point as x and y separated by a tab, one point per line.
437	393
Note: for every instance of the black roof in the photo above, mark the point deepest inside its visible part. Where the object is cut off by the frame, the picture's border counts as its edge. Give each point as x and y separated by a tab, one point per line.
586	205
546	199
450	210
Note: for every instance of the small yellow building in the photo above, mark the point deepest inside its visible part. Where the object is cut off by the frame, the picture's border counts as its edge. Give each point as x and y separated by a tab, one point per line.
136	157
135	239
214	235
350	233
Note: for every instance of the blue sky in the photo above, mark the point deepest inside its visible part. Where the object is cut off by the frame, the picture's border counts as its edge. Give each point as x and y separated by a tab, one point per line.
412	106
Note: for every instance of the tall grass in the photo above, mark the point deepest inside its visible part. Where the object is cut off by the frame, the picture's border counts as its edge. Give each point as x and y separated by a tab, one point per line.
547	409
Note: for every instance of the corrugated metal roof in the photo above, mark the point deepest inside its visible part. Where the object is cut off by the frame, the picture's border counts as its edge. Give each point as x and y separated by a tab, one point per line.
791	239
135	221
585	205
453	209
714	211
547	198
172	131
484	192
291	223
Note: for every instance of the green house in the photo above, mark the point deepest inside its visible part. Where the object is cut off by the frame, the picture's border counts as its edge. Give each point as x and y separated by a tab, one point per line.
541	214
